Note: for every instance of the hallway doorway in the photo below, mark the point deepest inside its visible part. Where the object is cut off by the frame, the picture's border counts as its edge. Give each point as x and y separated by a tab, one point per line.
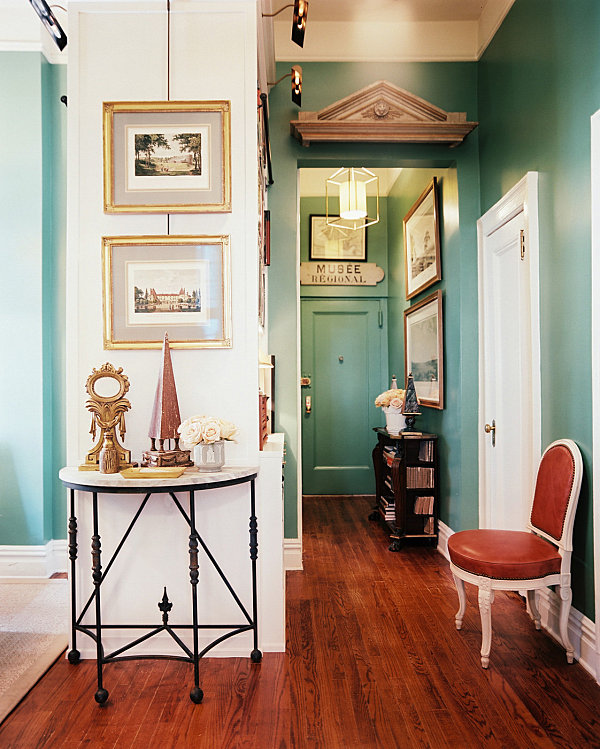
343	347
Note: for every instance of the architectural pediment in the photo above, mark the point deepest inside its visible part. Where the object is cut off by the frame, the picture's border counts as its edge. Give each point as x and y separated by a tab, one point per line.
382	113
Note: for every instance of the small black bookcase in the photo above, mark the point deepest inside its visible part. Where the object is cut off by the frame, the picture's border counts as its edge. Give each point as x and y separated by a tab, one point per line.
407	486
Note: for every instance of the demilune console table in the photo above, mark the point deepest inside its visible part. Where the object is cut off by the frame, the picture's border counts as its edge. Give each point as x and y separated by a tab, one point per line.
95	483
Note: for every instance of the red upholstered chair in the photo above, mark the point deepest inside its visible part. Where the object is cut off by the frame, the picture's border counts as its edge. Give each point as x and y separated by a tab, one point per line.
521	560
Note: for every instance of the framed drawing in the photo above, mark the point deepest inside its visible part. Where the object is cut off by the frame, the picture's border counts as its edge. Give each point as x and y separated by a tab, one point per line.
332	243
422	263
424	349
167	157
153	284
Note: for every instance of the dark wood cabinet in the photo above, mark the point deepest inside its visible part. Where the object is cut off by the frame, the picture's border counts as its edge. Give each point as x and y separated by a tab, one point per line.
407	486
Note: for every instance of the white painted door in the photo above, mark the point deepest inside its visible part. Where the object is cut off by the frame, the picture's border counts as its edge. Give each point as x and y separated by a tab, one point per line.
509	362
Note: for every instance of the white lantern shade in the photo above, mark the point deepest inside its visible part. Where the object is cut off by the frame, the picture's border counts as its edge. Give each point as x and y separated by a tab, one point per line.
353	199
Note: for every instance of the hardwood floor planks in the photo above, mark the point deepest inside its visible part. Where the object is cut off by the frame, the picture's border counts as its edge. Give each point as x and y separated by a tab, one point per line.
373	661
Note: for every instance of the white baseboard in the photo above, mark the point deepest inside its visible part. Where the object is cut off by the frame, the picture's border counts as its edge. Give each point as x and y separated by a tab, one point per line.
292	554
444	533
582	631
33	561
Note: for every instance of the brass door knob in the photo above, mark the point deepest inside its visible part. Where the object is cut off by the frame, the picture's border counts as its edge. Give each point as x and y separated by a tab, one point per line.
491	429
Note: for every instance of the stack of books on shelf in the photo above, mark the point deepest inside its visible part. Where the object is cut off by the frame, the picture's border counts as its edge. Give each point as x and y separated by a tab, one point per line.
426	451
389	509
420	478
423	506
429	526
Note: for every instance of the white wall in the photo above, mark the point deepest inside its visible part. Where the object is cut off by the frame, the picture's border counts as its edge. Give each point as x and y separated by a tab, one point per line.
118	52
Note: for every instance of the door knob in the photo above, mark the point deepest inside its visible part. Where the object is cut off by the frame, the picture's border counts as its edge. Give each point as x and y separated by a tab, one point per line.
491	429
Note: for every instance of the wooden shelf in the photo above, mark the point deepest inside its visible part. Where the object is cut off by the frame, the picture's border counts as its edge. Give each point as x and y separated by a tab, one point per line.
406	468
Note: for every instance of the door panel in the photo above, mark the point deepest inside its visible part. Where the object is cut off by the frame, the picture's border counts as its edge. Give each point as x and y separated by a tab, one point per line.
343	352
508	460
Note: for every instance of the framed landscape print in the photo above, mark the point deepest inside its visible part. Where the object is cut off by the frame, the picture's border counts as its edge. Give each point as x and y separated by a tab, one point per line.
422	263
167	157
332	243
157	284
424	349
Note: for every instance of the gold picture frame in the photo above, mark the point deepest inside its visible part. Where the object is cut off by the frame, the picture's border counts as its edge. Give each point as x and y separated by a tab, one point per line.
422	256
424	349
167	157
175	284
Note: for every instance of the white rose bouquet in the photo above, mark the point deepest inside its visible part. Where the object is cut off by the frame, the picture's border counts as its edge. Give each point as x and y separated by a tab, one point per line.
393	398
206	430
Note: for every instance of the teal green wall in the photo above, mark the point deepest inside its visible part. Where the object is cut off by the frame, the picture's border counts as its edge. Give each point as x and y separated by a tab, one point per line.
447	423
31	197
451	86
377	252
54	241
539	84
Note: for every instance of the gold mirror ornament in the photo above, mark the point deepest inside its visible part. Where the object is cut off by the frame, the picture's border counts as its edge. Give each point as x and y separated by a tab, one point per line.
108	415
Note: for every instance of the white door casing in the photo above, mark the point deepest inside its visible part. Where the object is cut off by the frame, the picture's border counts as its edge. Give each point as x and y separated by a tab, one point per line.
509	356
595	170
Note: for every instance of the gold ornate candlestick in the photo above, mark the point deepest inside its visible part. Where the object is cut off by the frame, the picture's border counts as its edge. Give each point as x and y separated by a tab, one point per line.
108	414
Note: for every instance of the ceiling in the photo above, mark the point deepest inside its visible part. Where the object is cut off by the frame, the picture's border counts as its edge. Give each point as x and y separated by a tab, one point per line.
390	30
396	10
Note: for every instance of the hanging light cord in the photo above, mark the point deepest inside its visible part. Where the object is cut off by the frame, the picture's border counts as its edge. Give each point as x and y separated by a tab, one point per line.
168	80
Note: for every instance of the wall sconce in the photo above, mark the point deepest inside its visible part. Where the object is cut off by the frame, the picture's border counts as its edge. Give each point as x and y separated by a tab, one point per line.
48	18
351	187
298	21
296	75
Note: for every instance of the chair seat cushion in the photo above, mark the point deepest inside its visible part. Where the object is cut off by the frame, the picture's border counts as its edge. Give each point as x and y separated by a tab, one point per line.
503	555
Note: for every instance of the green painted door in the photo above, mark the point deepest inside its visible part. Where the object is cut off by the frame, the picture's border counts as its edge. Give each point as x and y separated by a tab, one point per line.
344	352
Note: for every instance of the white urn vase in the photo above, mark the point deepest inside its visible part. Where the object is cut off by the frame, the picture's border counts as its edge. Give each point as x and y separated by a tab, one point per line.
394	420
211	456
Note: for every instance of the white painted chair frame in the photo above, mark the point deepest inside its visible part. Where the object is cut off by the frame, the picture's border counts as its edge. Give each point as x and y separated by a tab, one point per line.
487	585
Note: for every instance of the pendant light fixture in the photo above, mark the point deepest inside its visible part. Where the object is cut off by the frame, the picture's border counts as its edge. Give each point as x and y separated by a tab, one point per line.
352	198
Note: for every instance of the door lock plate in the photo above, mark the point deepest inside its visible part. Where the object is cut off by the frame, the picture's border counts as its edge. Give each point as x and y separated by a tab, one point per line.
305	382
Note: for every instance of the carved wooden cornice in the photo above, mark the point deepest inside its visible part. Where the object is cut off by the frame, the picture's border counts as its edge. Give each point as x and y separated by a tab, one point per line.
382	113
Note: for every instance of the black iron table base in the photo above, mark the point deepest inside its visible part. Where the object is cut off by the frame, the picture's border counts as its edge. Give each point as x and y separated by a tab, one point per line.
196	542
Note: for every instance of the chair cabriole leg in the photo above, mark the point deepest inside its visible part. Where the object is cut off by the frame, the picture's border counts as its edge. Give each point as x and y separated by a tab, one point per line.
462	600
565	605
533	609
486	598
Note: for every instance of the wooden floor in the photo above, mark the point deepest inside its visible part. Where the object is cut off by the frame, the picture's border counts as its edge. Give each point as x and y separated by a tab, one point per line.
373	660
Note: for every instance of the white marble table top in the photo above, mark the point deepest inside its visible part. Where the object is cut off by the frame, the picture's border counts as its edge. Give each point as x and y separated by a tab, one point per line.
192	478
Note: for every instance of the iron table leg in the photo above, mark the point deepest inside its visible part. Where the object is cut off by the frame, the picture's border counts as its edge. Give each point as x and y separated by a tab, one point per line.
74	655
101	694
196	694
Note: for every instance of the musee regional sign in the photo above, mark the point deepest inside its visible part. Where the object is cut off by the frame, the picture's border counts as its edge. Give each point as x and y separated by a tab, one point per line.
328	273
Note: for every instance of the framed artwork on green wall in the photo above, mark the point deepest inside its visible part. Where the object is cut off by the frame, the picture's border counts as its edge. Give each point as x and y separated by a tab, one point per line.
422	262
332	243
424	349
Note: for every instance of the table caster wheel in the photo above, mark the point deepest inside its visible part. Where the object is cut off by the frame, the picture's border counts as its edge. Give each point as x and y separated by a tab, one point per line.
395	546
101	696
196	695
256	656
73	656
